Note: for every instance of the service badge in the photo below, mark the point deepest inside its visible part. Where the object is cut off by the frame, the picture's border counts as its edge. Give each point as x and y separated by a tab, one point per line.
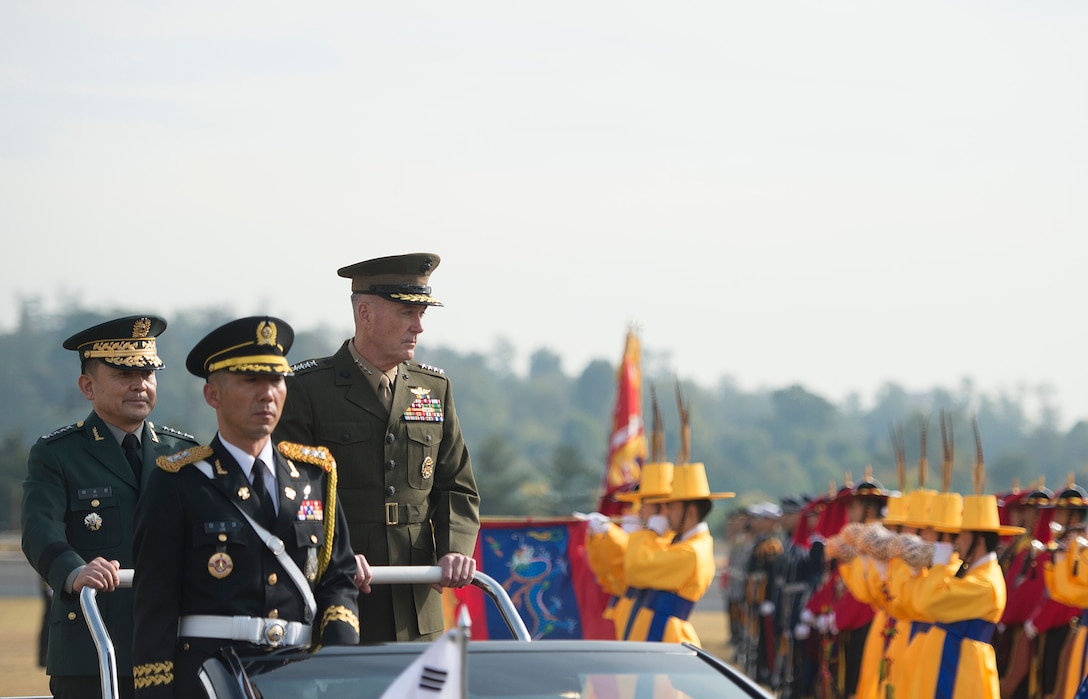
427	469
220	565
93	521
243	492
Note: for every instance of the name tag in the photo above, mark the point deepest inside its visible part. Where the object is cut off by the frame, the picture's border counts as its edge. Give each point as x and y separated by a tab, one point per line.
102	491
222	527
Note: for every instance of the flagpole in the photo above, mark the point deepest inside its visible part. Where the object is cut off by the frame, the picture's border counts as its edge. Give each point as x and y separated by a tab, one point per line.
464	632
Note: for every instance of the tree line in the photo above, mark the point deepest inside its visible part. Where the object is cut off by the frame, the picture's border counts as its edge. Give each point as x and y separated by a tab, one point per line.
539	441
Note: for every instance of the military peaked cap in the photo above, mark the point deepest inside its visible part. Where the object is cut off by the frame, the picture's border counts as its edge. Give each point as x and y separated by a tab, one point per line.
400	278
254	345
125	343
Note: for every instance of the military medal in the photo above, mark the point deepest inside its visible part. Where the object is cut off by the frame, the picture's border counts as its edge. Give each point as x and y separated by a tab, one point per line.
93	521
220	565
310	569
310	510
424	408
427	468
243	492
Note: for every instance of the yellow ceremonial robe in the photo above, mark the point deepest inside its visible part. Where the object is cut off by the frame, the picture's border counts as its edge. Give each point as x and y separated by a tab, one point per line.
956	660
676	575
605	553
914	624
1067	583
888	635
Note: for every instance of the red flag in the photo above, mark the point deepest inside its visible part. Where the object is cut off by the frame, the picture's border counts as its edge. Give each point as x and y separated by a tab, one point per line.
627	441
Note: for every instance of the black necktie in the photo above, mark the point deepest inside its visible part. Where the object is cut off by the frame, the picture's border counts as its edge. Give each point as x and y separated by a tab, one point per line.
132	453
264	498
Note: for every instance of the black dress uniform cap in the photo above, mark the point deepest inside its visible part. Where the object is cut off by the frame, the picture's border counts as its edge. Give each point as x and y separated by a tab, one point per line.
253	345
400	278
1072	497
791	505
125	343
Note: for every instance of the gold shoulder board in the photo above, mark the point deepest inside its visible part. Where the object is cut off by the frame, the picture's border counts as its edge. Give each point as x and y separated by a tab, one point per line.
174	462
318	456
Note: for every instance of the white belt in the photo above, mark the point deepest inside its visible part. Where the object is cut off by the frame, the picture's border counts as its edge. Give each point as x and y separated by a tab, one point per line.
262	632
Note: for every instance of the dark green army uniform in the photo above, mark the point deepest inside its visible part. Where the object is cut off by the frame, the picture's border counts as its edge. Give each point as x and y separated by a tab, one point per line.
405	475
79	500
206	576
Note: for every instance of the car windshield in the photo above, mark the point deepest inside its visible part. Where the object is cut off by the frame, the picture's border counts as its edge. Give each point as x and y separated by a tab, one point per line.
516	671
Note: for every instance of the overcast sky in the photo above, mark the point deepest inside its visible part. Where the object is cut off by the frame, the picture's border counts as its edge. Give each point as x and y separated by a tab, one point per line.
832	193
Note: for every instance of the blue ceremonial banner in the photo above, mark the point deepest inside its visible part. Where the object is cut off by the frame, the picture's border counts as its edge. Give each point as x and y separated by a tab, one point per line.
542	565
531	563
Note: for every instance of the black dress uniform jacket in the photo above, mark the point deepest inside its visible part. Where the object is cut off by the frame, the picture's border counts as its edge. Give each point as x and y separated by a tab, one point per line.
186	523
79	500
405	478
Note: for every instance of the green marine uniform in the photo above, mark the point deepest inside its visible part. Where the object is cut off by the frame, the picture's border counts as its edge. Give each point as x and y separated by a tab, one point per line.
405	478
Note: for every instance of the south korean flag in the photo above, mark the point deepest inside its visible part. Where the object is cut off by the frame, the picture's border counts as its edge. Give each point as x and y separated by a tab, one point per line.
439	673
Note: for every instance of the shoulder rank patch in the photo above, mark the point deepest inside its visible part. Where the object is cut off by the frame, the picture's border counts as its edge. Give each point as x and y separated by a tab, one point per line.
318	456
175	461
58	432
428	367
305	365
163	429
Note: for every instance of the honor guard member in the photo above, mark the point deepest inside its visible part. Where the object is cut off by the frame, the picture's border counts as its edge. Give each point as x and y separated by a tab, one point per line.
1025	586
798	569
241	543
761	591
80	495
676	574
606	544
405	474
965	598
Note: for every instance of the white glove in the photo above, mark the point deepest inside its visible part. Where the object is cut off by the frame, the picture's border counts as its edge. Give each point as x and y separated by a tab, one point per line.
801	631
766	608
631	523
807	617
598	523
1029	629
659	523
823	623
942	553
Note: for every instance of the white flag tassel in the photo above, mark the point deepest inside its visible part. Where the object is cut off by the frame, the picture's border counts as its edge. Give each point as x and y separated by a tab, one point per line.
440	672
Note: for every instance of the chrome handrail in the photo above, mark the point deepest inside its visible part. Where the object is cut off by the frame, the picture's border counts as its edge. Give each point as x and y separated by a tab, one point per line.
107	657
421	575
382	575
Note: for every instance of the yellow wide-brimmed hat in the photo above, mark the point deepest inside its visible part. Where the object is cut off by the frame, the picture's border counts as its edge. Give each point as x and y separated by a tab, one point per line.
919	503
654	481
896	513
689	483
980	515
946	513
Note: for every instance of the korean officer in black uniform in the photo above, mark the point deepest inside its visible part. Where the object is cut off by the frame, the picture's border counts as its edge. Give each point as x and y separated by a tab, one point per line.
242	542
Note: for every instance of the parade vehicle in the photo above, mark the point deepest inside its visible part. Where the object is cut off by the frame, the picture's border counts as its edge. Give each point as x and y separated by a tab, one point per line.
488	669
